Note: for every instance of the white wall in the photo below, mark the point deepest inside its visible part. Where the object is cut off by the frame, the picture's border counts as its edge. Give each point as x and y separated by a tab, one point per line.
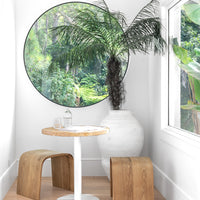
176	159
7	96
175	155
34	112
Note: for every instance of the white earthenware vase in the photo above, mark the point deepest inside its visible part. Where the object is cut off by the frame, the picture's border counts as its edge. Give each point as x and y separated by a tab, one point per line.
125	139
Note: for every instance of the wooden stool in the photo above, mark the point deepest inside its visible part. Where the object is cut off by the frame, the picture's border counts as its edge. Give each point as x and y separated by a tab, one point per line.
30	171
131	178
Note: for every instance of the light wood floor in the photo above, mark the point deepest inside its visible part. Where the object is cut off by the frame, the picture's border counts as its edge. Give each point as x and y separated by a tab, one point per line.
98	186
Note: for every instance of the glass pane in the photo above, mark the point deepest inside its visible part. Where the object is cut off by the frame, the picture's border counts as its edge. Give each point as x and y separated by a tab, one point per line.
184	66
46	56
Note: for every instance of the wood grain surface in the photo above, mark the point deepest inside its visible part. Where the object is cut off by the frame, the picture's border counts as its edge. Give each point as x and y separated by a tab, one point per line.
132	178
30	170
97	130
98	186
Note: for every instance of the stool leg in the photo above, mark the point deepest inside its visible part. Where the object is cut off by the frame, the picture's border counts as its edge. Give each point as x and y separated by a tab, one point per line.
62	172
29	177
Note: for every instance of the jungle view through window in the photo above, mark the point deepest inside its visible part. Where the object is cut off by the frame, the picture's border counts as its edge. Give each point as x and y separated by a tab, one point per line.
46	58
184	66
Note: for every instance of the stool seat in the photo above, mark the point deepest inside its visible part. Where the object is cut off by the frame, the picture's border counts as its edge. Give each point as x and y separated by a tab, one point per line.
131	178
30	171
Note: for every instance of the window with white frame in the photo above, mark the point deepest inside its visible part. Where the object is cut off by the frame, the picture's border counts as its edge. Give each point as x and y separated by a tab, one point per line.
184	66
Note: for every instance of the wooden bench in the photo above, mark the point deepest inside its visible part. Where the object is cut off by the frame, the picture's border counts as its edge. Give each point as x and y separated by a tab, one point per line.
131	178
30	171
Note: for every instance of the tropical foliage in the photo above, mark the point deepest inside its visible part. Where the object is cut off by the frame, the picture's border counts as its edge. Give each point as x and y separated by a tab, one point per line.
69	85
76	54
106	34
189	55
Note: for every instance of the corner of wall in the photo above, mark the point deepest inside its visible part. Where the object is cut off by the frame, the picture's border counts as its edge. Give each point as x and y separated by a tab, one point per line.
7	179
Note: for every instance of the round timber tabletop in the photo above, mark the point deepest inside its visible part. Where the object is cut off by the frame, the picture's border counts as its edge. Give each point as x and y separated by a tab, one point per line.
76	131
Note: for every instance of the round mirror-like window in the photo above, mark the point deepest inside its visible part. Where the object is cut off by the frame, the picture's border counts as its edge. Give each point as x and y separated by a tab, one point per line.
66	53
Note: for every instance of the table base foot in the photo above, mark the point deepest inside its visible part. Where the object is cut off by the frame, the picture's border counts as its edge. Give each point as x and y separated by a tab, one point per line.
83	197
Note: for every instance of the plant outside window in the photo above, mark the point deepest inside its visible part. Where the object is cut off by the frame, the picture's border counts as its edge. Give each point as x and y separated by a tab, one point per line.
189	55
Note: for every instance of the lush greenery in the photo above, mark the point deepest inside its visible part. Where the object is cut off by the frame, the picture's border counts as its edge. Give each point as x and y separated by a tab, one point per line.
189	54
76	54
67	84
105	34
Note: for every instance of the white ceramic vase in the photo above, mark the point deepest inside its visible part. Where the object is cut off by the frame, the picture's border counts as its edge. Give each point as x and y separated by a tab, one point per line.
125	139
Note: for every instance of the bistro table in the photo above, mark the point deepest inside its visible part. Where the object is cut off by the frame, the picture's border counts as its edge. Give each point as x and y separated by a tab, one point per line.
77	132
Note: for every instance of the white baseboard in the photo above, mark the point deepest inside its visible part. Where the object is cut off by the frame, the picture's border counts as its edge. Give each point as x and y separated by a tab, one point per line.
167	187
7	179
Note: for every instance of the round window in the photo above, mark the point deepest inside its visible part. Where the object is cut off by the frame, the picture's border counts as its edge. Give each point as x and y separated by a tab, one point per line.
66	53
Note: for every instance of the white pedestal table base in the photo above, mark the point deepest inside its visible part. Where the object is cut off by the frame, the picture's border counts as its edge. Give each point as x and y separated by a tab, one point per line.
78	176
83	197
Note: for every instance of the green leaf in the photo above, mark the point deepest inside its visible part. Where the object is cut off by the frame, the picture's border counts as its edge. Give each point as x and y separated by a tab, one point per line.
193	12
192	69
182	54
197	51
196	85
197	89
191	107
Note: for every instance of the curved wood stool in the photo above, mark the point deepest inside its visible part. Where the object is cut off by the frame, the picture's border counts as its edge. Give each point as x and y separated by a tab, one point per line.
30	171
131	178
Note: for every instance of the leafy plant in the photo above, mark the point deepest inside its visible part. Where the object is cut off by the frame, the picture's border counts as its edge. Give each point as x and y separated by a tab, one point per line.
192	68
189	57
95	35
62	88
89	96
193	12
53	77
